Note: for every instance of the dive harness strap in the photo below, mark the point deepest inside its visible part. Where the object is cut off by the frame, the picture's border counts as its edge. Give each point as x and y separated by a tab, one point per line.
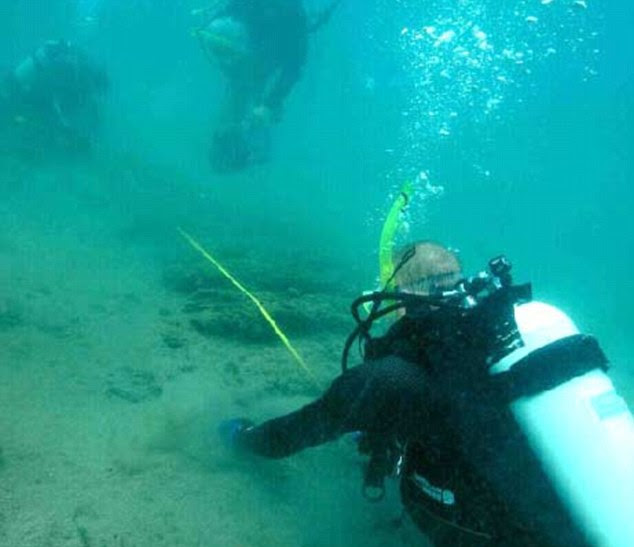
549	367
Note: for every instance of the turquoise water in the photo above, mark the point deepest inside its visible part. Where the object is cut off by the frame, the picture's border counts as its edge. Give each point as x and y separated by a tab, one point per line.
120	349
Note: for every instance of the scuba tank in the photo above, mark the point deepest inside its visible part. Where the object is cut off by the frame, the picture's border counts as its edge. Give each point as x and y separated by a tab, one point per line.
581	430
529	404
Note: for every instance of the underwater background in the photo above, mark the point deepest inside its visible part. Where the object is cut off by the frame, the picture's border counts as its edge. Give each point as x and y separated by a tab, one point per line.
121	348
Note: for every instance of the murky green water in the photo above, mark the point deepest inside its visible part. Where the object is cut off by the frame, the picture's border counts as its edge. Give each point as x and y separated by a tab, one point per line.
120	348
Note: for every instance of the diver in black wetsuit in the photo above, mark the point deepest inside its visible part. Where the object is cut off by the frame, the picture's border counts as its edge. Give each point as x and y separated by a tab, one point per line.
423	393
261	48
57	94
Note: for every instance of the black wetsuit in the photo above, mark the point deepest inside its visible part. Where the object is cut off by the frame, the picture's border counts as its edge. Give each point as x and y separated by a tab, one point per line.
385	399
278	32
468	477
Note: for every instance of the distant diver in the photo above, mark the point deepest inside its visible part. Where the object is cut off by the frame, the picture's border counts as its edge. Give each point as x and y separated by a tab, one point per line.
260	47
53	98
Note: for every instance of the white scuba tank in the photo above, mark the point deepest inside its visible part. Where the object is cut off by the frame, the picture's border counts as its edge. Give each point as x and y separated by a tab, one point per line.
582	432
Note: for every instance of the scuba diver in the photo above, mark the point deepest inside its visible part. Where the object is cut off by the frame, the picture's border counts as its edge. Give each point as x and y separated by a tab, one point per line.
492	409
54	96
260	47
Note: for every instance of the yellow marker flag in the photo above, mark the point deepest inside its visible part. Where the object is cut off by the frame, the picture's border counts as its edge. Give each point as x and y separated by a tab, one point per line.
253	299
388	234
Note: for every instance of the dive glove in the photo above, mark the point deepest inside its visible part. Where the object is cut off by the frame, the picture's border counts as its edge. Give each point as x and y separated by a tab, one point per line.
229	430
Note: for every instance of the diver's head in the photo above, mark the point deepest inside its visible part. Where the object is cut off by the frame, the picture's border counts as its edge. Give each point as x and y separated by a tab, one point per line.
424	266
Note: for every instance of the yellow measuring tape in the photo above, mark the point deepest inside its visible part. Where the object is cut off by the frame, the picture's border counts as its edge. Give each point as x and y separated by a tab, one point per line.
253	299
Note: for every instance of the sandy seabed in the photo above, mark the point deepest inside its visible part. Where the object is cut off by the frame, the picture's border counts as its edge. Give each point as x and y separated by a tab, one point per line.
109	402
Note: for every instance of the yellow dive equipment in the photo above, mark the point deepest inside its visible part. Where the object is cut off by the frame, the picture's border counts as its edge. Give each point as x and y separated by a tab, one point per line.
392	223
225	39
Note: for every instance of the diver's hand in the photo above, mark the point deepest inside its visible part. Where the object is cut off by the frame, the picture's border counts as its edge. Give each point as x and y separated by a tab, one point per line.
229	431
